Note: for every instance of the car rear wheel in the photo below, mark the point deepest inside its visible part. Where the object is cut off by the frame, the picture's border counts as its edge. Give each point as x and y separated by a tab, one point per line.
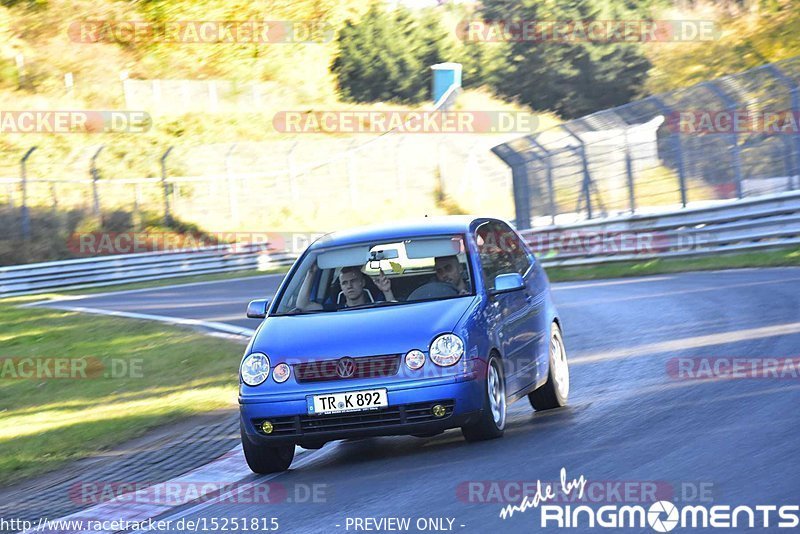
263	459
554	393
492	420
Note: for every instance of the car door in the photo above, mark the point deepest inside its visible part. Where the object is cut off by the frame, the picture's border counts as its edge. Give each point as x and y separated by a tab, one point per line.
534	341
514	316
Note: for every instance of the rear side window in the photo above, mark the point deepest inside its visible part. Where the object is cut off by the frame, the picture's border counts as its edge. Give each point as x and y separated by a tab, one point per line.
500	251
522	261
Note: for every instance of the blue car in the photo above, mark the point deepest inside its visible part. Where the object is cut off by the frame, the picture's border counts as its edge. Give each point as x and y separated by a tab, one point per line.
407	329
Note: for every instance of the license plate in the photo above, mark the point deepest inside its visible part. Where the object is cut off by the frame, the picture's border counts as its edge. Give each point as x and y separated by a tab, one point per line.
350	401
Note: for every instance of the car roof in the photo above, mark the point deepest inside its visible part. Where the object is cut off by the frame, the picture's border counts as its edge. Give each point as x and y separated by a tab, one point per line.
428	226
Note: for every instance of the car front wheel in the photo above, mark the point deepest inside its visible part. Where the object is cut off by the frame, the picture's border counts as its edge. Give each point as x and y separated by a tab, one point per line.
492	420
263	459
554	393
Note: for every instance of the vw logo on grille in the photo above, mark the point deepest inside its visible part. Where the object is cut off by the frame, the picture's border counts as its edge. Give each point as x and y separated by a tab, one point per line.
345	367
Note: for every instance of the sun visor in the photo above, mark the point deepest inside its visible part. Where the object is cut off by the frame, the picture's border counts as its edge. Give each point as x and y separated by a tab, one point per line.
343	257
434	247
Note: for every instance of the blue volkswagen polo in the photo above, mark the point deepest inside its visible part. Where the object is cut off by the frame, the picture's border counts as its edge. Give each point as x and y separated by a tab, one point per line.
408	329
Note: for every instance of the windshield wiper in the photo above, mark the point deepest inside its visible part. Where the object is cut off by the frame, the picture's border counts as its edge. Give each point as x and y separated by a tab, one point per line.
300	312
378	304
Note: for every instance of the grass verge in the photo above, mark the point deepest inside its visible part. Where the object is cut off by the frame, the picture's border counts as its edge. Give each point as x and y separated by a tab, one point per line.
772	258
122	377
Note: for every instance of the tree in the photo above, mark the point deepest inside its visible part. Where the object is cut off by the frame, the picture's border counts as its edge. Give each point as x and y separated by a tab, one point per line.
387	56
570	78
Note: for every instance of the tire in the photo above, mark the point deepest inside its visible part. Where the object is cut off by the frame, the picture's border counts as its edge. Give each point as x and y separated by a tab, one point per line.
492	420
555	392
265	460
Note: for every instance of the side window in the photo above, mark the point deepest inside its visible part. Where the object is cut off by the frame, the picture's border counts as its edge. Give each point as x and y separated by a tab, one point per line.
512	243
496	256
323	284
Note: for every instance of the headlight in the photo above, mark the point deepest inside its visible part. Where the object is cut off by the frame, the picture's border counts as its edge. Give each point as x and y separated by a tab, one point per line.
281	373
446	350
255	369
415	359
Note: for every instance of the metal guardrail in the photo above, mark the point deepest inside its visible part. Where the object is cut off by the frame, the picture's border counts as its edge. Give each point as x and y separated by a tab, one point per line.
745	225
653	151
756	224
127	268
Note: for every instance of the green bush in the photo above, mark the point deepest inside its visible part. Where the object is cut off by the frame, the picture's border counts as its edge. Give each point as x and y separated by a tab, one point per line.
386	56
569	78
52	231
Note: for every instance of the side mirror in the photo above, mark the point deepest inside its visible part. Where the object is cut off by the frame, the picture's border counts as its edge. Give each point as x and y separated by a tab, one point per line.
257	309
505	283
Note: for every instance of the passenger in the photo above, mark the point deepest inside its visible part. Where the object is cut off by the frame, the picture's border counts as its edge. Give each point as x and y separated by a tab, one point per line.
353	281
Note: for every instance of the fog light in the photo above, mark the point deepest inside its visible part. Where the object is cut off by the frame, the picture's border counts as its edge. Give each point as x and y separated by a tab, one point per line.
281	373
266	427
415	359
438	410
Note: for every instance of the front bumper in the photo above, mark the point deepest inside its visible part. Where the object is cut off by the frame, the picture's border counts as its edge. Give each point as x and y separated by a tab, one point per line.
409	413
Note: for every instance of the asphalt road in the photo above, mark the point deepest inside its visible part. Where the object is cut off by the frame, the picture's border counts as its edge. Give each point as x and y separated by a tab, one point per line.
733	441
223	301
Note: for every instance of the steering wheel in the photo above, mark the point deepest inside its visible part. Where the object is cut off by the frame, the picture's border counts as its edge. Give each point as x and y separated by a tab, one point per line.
433	290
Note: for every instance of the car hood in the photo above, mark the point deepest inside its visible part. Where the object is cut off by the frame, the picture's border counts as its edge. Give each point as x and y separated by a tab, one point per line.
388	330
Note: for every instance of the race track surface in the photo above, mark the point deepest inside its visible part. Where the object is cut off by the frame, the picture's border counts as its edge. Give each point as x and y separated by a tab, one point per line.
629	424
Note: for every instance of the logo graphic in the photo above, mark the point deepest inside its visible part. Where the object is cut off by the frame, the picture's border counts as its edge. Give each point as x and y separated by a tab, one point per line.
662	516
345	367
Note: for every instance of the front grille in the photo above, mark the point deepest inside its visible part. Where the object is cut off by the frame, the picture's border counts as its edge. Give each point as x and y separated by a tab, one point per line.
366	367
393	415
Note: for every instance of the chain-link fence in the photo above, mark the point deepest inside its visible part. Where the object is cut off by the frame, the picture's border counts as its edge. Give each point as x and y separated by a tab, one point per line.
733	137
307	182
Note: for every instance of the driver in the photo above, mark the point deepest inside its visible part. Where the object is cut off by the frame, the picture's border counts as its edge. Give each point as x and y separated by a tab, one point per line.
450	271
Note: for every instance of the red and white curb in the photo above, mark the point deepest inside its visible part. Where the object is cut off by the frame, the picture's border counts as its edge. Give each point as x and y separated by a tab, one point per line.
212	478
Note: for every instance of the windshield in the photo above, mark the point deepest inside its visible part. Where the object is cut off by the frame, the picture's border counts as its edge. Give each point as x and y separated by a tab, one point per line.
370	275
